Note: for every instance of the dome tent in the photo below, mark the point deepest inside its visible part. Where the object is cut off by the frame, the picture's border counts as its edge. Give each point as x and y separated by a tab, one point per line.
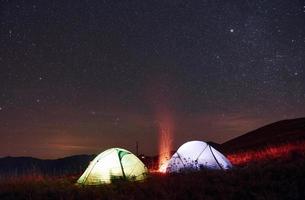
113	164
195	155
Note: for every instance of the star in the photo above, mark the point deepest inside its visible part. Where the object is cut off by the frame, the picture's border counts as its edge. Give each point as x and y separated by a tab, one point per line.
116	121
129	66
10	32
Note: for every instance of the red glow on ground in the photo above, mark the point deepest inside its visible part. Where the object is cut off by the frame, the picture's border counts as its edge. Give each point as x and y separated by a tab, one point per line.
162	167
165	142
266	153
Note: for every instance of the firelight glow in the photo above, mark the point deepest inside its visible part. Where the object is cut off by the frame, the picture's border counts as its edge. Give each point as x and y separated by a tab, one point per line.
165	141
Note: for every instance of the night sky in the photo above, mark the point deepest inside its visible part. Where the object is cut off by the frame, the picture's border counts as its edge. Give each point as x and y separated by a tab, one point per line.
77	77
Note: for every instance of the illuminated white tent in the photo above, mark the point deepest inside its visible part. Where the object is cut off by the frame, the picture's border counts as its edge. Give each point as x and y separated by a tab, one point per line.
113	164
196	155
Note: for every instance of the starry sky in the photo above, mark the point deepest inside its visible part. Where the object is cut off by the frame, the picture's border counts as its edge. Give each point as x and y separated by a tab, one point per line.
77	77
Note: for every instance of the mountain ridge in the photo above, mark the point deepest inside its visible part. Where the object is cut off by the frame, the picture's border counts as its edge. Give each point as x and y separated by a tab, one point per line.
283	131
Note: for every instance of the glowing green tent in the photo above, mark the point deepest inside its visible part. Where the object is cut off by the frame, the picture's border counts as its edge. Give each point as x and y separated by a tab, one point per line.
113	164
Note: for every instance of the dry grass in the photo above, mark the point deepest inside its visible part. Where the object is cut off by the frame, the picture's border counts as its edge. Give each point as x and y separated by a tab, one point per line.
268	153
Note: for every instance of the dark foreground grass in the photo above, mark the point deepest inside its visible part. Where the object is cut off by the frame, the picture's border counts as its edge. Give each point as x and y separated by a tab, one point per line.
282	178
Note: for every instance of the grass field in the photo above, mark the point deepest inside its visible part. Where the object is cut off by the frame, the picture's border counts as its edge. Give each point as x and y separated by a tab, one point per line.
267	153
262	177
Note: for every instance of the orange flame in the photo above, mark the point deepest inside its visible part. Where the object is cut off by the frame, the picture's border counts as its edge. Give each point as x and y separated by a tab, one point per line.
165	142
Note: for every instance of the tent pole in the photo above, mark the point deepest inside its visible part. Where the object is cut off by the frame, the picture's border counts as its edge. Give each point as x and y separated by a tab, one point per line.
215	158
124	176
90	171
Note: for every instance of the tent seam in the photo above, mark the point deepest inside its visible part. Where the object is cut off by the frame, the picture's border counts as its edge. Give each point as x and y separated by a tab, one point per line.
215	158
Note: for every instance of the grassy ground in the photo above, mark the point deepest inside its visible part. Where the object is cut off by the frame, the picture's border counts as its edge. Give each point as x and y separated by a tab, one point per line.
272	178
267	153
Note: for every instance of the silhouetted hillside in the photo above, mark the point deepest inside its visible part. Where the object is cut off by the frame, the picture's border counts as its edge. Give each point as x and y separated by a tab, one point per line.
214	144
28	165
285	131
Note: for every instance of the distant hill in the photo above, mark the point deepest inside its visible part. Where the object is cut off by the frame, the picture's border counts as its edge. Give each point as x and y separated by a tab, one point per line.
284	131
214	144
27	165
